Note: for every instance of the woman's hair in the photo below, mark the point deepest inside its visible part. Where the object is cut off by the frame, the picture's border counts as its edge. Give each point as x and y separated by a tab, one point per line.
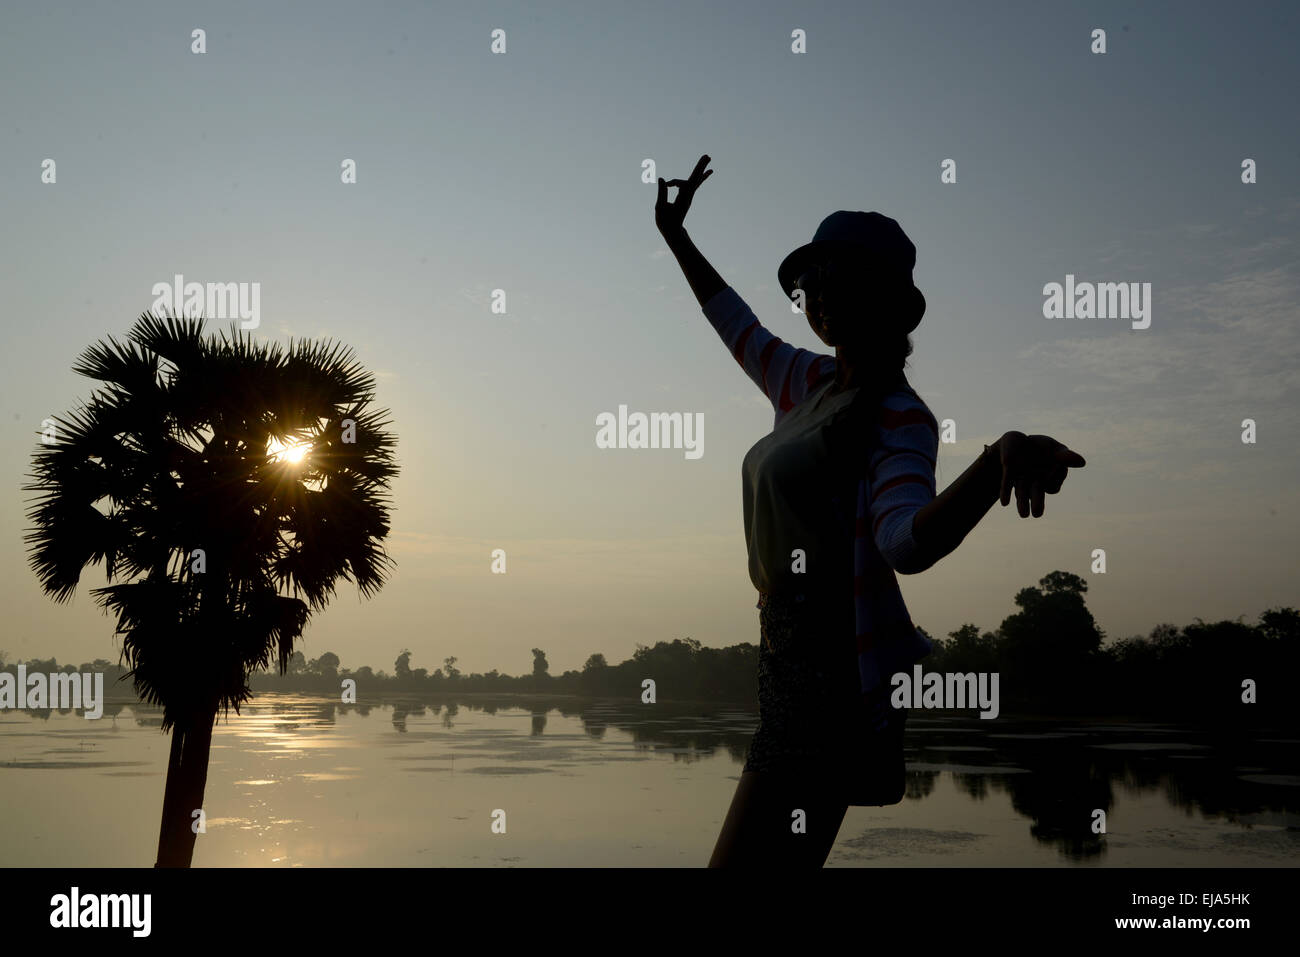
889	344
891	352
896	308
889	338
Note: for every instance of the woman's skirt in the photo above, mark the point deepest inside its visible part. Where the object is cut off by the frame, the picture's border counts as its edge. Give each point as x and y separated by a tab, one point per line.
813	721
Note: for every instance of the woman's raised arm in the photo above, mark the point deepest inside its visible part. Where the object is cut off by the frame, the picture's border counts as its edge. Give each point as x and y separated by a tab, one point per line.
784	373
670	218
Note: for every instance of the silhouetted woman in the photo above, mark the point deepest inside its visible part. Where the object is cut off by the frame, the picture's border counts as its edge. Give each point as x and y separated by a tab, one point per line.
838	498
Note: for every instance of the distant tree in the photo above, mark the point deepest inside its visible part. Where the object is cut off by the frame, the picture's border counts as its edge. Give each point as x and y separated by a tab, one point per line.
1276	624
452	671
1049	649
1166	636
402	666
675	667
1207	646
596	676
297	663
540	667
328	665
967	650
1066	582
1280	630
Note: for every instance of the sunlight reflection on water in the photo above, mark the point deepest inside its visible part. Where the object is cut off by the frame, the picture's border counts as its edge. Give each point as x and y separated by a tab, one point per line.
301	781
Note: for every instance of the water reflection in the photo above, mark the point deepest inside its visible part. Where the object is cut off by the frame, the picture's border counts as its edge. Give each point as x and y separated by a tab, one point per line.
301	780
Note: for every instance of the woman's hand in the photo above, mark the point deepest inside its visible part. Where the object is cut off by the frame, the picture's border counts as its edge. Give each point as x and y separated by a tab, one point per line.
669	216
1034	465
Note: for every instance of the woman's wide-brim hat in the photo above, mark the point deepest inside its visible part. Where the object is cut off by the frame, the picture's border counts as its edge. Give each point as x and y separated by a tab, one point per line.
887	250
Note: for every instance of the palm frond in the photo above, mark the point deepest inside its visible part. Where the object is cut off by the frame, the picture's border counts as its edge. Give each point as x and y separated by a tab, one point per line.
120	363
179	340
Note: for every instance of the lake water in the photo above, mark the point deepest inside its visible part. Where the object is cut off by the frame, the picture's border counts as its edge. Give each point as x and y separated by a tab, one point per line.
303	781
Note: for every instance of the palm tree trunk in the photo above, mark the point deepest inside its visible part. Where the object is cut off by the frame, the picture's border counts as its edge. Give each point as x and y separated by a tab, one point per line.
187	778
170	798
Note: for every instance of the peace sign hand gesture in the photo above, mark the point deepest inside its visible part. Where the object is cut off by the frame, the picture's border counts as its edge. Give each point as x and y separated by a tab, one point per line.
669	216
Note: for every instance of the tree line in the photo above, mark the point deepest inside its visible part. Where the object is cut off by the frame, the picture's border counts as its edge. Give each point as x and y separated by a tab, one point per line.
1050	654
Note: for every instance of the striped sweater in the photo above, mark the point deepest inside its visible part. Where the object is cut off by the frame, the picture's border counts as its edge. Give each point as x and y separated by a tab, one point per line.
899	480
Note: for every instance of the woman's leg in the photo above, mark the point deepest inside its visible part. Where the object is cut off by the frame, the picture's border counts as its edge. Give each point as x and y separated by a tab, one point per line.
760	831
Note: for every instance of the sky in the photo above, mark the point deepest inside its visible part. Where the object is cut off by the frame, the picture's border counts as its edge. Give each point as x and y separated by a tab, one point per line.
522	171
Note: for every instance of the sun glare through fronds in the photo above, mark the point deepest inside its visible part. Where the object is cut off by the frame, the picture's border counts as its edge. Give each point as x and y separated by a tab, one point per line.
292	453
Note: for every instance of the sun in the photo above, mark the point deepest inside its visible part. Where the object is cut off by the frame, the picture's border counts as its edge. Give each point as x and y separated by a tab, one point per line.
291	454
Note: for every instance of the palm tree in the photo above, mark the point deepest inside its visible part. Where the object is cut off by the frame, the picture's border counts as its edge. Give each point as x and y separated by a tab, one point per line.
226	486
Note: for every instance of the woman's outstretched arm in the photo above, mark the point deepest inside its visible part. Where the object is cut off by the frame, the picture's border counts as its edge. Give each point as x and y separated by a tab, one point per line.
1031	465
941	525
